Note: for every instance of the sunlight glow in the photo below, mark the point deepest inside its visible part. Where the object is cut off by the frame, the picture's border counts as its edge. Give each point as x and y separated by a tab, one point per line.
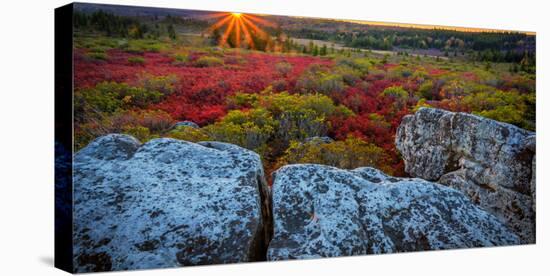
239	27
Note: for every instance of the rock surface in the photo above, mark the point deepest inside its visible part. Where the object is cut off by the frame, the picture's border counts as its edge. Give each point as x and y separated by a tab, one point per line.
186	124
167	203
321	211
491	162
319	140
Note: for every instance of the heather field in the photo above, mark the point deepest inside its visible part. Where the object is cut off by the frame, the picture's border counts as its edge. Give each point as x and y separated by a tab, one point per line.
291	102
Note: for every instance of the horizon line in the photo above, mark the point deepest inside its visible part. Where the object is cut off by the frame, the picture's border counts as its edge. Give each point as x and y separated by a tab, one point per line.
422	26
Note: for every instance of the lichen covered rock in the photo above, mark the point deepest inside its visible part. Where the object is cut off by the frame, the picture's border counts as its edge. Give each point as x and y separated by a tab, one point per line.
490	161
186	124
319	140
321	211
167	203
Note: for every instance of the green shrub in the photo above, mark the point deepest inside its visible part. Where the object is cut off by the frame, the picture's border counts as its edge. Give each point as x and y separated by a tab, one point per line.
166	85
505	106
349	75
157	121
421	103
425	91
98	49
240	100
454	88
136	60
180	58
101	98
399	95
97	56
273	120
320	80
249	129
507	113
98	43
139	46
348	154
362	65
139	132
330	83
188	133
110	96
143	124
396	92
399	72
208	61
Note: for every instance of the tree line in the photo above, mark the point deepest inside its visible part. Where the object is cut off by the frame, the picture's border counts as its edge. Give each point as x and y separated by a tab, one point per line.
481	46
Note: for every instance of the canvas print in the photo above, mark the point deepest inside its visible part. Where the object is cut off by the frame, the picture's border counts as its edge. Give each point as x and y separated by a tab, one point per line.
187	137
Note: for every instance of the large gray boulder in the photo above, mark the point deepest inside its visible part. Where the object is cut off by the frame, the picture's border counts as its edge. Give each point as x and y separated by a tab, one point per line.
491	162
167	203
321	211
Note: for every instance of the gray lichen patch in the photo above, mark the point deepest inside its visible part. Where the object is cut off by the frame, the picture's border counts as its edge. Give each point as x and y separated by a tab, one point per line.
491	162
167	203
322	211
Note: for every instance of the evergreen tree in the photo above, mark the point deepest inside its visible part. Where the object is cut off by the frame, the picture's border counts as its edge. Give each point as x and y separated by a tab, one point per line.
171	32
315	51
323	51
385	59
215	38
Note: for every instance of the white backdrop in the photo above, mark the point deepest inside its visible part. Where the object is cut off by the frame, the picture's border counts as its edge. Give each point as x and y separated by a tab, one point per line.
26	137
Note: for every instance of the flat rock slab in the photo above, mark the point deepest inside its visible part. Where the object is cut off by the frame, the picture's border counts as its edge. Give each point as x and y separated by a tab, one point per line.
167	203
321	211
492	162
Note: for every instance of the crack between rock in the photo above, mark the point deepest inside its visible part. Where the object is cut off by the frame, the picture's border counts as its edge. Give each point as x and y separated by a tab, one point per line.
264	231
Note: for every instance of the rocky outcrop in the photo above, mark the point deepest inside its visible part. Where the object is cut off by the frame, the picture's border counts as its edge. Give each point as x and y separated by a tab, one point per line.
321	211
491	162
171	203
318	140
167	203
186	124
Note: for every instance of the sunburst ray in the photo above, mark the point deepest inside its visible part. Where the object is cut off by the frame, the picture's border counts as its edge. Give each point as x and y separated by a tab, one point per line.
227	32
260	21
220	23
239	26
214	15
247	35
254	27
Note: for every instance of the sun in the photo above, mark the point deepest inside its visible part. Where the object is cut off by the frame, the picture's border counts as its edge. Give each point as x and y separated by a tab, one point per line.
238	26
